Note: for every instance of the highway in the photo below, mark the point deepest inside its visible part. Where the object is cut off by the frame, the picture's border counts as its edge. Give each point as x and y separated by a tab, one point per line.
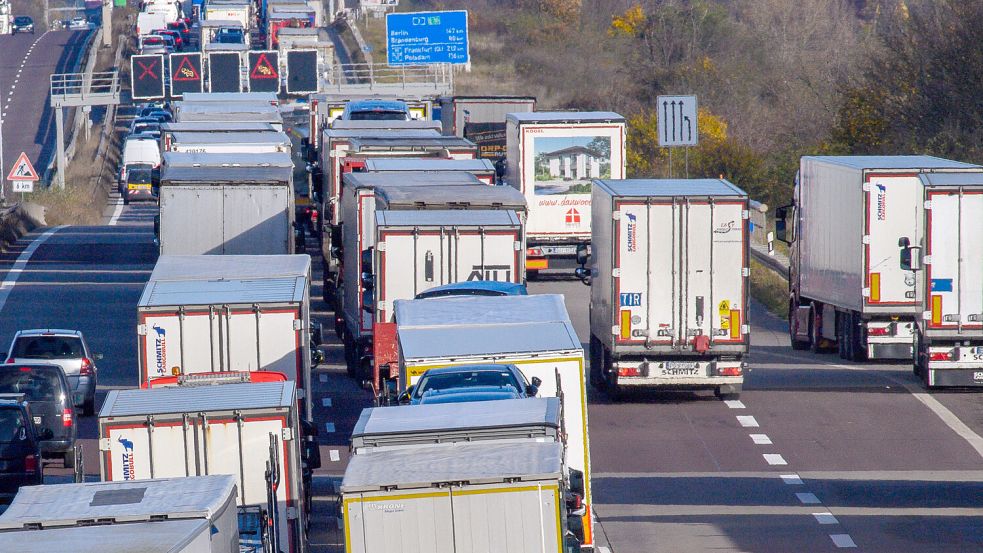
816	456
26	64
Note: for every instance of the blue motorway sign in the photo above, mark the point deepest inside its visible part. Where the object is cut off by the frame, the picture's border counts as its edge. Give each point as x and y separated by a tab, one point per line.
427	37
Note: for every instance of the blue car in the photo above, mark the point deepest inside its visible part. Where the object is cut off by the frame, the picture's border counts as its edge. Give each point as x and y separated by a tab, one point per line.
475	288
470	383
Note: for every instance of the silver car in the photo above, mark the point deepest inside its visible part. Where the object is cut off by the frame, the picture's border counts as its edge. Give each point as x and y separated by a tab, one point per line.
68	350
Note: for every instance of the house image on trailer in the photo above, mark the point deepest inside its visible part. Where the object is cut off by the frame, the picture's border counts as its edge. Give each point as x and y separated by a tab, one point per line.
574	163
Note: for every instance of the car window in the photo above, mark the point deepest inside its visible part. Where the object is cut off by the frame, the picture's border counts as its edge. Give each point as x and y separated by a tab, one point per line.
48	347
466	379
139	176
377	116
37	384
11	422
22	20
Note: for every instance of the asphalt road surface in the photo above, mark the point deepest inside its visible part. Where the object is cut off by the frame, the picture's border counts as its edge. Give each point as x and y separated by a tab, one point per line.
27	62
816	456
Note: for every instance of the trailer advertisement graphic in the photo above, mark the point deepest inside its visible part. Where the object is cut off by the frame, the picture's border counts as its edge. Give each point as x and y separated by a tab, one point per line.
631	233
881	202
126	459
566	164
160	349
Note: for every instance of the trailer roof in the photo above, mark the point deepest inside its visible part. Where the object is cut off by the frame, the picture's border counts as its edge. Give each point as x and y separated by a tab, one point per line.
182	399
565	117
492	98
446	217
224	47
231	137
128	501
163	293
427	164
401	140
219	23
453	197
226	97
484	325
453	463
254	109
893	162
217	126
209	159
380	133
411	178
671	187
210	267
226	175
162	536
410	419
416	124
953	179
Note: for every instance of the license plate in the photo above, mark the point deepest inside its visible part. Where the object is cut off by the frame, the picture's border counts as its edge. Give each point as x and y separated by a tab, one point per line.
560	250
138	186
37	420
681	369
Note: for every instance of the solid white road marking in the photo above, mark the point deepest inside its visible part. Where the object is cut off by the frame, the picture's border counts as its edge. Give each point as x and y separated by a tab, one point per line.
843	541
792	479
329	427
734	404
807	498
774	459
747	421
334	455
326	402
761	439
116	213
825	518
7	285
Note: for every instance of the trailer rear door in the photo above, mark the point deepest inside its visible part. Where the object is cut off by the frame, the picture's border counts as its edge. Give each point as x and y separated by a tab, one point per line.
892	205
954	246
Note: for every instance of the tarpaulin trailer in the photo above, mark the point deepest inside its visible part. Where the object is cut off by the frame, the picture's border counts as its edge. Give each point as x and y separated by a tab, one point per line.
846	287
552	157
270	159
186	515
234	429
215	314
226	210
228	142
669	284
410	426
457	498
532	332
481	168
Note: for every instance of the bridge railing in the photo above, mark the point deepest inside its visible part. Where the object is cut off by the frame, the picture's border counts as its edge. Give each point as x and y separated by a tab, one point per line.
74	89
383	78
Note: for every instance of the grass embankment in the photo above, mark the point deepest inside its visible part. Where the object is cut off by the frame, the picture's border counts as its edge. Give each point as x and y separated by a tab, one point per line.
770	288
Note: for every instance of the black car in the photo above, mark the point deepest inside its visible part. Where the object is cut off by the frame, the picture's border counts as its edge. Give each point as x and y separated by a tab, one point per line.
49	396
20	449
22	24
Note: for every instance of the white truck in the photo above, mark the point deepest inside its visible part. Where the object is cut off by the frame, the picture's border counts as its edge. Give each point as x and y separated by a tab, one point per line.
226	210
532	332
167	129
220	313
458	498
172	515
552	157
846	288
150	21
230	10
481	168
233	429
227	142
669	285
221	112
273	159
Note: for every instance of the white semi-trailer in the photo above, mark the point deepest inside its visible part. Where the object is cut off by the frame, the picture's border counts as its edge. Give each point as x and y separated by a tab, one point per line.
669	287
845	224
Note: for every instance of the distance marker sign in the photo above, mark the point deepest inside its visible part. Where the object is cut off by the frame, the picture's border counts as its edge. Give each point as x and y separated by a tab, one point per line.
147	77
264	71
185	74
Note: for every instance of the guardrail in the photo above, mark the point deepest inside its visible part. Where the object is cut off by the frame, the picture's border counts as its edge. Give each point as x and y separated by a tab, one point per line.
379	77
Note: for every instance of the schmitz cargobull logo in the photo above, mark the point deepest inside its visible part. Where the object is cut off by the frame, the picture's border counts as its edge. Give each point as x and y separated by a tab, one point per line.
160	349
126	459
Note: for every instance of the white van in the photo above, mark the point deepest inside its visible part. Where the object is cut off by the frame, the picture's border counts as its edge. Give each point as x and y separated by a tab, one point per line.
141	149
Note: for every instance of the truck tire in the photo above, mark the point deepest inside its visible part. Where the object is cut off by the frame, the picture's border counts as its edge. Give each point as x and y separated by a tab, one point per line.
842	335
857	349
611	386
596	363
70	458
815	330
728	392
793	341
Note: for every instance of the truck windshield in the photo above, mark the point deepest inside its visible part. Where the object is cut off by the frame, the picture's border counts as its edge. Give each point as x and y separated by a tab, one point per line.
378	116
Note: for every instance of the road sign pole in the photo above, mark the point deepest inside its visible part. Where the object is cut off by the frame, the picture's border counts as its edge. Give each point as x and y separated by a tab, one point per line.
3	181
60	139
670	163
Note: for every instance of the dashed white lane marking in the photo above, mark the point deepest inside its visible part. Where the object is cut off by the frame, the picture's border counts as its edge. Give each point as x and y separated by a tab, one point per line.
761	439
792	479
825	518
807	498
747	421
334	455
843	541
7	286
116	213
323	377
602	549
329	427
774	459
326	402
734	404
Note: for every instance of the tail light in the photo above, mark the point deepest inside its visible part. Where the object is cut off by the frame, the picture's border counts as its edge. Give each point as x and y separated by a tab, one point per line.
941	356
629	371
66	417
729	371
574	501
31	463
9	360
878	331
86	369
534	252
314	215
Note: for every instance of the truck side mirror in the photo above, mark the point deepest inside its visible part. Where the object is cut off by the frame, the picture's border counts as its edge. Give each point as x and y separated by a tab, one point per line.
583	254
367	261
404	398
583	274
911	256
368	281
781	224
368	301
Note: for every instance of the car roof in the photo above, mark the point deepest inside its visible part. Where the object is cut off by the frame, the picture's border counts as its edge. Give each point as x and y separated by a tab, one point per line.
471	368
49	332
10	403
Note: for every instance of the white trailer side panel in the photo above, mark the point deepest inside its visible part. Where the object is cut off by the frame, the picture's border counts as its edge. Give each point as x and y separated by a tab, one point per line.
178	235
258	220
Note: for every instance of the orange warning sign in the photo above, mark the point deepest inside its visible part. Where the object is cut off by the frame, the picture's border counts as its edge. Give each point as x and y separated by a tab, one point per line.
263	69
23	170
186	71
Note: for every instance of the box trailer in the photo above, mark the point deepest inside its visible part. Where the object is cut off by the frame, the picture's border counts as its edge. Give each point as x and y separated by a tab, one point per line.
228	142
846	288
270	159
501	421
949	336
186	515
532	332
217	112
238	11
458	498
215	314
233	429
229	98
481	168
411	251
481	119
168	129
552	157
226	210
669	284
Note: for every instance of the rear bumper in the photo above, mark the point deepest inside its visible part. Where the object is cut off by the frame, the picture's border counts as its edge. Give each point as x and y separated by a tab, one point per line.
138	195
955	377
899	350
697	373
679	383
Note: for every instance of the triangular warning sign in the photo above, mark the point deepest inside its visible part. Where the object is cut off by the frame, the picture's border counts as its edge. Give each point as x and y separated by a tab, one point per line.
186	71
263	69
23	170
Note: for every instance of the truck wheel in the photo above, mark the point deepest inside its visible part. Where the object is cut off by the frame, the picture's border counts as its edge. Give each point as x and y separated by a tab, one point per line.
728	392
350	365
815	331
596	363
611	386
795	342
70	458
842	336
857	348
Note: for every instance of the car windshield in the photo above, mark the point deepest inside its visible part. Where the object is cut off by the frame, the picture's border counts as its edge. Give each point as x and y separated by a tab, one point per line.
11	423
466	379
139	176
377	116
48	347
22	20
36	383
